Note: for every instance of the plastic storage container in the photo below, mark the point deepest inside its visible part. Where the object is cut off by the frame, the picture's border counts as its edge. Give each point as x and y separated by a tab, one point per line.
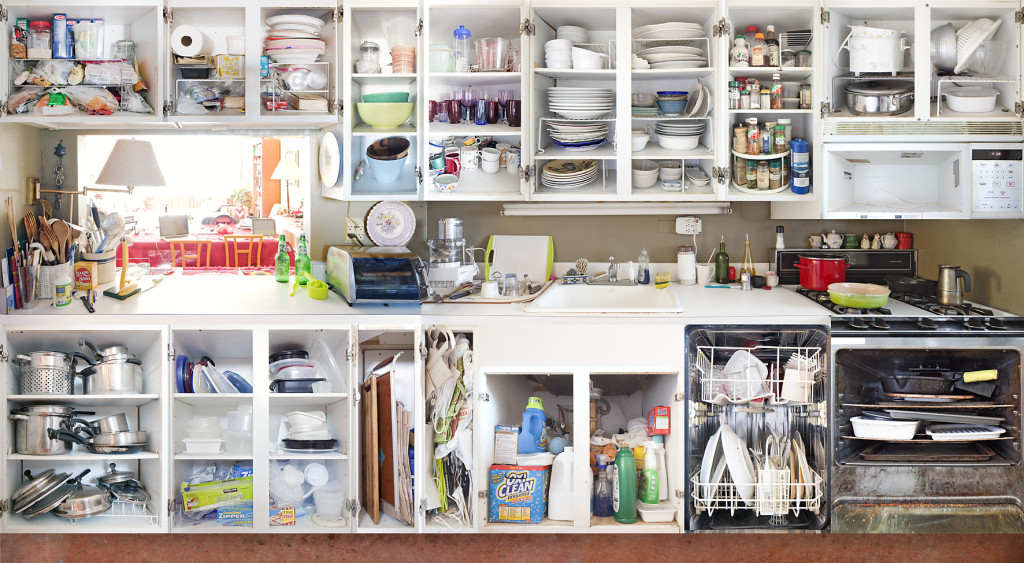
560	492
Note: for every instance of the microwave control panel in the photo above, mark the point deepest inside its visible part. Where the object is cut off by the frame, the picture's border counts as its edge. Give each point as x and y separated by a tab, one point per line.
997	182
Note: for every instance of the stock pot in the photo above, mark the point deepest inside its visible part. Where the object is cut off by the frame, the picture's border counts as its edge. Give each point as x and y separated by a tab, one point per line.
32	426
880	97
818	271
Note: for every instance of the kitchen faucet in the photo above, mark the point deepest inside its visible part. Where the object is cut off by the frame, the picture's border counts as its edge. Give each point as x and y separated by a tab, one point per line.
613	275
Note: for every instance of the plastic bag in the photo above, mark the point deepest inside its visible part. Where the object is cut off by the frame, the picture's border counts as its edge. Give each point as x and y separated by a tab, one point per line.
52	72
21	100
92	99
110	74
187	107
135	103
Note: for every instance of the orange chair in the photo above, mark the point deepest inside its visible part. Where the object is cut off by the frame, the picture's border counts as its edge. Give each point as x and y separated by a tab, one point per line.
187	252
253	252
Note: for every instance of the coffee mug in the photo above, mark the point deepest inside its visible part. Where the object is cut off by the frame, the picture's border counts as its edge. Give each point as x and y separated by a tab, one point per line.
905	240
513	161
437	161
489	289
470	158
489	166
503	149
445	183
490	155
704	273
452	162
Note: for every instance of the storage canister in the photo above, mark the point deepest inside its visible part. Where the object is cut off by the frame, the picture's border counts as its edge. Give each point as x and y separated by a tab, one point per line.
686	264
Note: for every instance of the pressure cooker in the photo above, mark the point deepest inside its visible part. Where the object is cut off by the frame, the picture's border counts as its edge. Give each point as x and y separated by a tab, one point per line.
879	98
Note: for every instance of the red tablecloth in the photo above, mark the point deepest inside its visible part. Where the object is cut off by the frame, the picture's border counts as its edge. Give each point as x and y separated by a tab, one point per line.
149	244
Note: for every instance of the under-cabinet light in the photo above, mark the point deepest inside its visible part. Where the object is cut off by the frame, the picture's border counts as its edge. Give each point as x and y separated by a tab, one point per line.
554	209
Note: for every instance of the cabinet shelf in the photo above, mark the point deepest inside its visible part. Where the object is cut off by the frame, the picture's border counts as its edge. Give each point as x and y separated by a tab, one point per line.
770	111
577	74
328	455
663	72
90	400
654	150
445	129
221	456
759	71
364	129
476	78
213	399
384	78
81	456
305	399
773	156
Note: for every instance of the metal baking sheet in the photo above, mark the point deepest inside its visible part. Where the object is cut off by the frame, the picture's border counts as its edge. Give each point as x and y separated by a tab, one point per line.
900	414
931	451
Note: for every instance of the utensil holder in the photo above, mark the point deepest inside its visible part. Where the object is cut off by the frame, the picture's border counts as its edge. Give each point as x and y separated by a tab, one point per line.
47	275
106	267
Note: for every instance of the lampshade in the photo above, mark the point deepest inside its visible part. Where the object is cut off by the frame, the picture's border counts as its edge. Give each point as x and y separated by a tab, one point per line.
131	163
287	169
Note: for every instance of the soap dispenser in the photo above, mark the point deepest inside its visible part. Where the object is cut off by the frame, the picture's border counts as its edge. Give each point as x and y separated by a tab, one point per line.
643	274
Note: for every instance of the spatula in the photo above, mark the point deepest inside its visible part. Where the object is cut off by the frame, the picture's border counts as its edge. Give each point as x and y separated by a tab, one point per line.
63	235
30	227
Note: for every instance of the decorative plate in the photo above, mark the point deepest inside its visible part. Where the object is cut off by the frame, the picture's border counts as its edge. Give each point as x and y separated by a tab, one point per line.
390	223
330	159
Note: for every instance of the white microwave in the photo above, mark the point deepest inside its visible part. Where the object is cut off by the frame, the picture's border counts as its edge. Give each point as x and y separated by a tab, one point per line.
923	180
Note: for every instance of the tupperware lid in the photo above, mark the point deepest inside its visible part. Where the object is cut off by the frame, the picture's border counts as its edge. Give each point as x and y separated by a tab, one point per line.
461	32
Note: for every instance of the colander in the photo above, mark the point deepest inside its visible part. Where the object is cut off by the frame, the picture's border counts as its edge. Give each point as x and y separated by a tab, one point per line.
45	372
970	37
943	47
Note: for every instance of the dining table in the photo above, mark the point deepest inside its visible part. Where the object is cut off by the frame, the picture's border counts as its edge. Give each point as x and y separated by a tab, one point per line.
150	247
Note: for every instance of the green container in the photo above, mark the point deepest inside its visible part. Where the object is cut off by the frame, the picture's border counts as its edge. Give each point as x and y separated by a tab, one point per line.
386	97
858	295
624	487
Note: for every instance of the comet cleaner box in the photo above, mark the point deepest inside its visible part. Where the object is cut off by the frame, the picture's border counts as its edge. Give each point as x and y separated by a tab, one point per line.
519	494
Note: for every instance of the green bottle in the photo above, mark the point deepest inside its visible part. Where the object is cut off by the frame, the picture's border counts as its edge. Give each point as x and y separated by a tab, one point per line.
624	487
722	263
302	262
282	264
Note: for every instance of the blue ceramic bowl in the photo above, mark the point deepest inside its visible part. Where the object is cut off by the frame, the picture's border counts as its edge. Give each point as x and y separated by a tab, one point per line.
671	107
671	93
386	171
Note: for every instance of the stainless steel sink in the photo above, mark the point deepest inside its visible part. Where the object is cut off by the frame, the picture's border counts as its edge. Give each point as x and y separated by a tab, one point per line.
606	299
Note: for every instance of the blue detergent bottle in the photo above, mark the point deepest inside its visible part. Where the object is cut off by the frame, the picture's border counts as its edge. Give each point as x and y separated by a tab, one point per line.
533	439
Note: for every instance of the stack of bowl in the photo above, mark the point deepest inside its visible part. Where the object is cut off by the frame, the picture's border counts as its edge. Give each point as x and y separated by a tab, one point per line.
671	102
385	110
572	33
679	135
441	59
643	105
558	53
403	59
294	38
645	173
386	158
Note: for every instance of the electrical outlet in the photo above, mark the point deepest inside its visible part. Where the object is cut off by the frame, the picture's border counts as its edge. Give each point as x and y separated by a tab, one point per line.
354	229
687	226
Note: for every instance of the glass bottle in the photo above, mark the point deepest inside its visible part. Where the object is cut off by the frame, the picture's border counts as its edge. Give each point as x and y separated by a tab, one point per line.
766	98
302	261
282	263
460	49
722	263
602	492
774	175
643	274
776	92
748	261
749	34
758	56
805	96
780	237
772	50
740	53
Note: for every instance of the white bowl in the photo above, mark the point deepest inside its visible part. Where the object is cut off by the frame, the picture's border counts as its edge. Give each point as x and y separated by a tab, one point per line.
670	173
639	142
972	99
203	445
645	173
678	143
558	44
864	427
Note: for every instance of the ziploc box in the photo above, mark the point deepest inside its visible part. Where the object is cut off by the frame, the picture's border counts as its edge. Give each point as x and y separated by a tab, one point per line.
519	493
215	494
240	515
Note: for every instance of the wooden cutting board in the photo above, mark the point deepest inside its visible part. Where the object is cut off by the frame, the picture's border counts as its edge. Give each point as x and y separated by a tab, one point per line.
514	254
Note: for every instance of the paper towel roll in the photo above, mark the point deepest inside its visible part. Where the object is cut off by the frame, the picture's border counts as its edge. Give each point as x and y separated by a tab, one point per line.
186	41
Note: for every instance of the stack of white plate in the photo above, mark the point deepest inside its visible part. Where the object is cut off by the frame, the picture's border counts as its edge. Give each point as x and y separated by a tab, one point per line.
572	136
679	135
580	103
568	174
572	33
294	38
671	45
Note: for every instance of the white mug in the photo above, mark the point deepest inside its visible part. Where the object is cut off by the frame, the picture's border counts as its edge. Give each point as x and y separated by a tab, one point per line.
704	273
513	161
489	289
489	166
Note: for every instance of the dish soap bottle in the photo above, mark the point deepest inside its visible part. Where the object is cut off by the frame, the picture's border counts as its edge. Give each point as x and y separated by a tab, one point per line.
282	264
722	263
602	500
302	262
624	487
533	437
643	274
748	262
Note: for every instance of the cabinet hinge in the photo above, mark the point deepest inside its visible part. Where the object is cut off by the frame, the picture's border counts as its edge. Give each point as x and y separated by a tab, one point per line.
168	16
419	176
355	400
721	28
481	494
423	352
170	506
484	397
526	27
825	16
168	107
1018	107
170	352
1018	17
352	506
679	397
423	505
419	28
339	15
526	172
3	506
680	494
3	18
825	109
3	353
3	108
350	353
338	107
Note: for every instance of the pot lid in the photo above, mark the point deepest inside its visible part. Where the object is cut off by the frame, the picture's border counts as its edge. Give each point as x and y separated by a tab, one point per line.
50	501
32	485
130	491
821	256
882	87
115	476
61	410
41	487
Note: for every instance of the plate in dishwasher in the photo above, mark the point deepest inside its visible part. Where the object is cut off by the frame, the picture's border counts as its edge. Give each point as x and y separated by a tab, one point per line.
960	432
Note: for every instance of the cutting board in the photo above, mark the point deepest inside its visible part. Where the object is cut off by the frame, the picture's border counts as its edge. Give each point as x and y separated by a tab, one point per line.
513	254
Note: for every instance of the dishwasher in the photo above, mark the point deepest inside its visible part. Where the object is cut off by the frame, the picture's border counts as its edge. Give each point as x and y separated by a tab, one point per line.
757	427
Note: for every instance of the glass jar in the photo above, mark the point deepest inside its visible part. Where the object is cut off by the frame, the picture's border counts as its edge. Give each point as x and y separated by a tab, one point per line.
762	176
803	58
369	58
789	59
739	170
40	35
774	175
734	95
805	96
744	99
766	98
125	50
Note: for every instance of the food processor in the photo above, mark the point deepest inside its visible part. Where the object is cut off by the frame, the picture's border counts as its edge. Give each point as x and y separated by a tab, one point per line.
449	265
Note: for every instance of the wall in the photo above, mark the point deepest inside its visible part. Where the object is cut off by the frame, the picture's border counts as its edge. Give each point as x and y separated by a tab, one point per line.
21	158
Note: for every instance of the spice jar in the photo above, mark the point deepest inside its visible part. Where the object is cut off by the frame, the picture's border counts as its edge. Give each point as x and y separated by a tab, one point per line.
744	99
762	175
40	45
734	95
789	58
753	136
774	175
803	58
369	58
739	170
766	98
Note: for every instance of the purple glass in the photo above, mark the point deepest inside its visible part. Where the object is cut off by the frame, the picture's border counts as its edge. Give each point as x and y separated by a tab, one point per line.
481	112
432	111
514	113
454	111
493	112
442	111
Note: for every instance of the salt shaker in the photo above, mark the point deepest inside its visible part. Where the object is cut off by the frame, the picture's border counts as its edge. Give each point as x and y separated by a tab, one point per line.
745	281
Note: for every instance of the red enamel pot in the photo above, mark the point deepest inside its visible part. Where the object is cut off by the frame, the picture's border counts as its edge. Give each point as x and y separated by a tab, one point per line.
818	271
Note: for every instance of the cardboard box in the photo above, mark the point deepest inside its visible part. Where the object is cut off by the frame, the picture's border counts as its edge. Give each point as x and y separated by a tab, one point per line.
659	421
282	515
215	494
19	39
506	444
273	104
519	494
60	37
240	515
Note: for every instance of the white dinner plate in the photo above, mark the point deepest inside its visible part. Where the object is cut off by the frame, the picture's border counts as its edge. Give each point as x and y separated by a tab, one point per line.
295	27
672	49
289	34
667	26
582	114
680	64
740	467
276	21
390	223
330	159
712	455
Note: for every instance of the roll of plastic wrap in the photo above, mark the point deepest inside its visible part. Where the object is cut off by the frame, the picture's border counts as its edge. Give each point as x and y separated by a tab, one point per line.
186	41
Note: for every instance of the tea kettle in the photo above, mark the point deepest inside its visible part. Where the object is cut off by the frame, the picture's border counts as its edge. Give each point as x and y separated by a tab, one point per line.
950	291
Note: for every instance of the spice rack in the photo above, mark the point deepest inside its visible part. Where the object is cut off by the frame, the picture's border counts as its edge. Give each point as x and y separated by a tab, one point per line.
758	157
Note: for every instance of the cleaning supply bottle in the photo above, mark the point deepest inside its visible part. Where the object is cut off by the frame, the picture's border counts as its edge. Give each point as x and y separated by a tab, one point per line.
654	458
602	499
560	490
624	487
722	263
648	491
533	438
643	274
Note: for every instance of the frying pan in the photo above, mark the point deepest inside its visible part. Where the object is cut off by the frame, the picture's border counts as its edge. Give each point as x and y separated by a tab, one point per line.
108	443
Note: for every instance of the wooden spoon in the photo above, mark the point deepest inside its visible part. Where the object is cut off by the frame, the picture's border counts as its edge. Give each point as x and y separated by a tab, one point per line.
47	208
63	234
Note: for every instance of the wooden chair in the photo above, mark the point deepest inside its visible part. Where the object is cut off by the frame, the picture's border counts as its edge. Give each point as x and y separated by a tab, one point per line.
191	250
253	252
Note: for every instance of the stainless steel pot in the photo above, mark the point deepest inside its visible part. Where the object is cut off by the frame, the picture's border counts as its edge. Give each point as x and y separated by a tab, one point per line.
84	502
880	97
45	372
32	426
113	377
106	425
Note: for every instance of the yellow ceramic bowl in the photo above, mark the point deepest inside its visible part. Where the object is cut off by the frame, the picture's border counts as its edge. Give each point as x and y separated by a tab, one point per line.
385	115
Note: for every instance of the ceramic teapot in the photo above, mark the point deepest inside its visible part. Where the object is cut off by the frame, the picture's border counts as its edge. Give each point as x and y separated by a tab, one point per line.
834	239
889	241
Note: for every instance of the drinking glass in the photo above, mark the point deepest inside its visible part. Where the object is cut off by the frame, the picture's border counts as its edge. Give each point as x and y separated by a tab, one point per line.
442	111
480	117
468	99
493	112
504	96
514	113
454	111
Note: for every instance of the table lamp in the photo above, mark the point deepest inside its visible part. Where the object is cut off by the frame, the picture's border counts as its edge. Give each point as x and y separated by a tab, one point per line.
286	171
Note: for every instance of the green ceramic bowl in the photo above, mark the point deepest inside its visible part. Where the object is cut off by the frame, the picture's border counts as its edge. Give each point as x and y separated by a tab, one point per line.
386	97
385	115
858	295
